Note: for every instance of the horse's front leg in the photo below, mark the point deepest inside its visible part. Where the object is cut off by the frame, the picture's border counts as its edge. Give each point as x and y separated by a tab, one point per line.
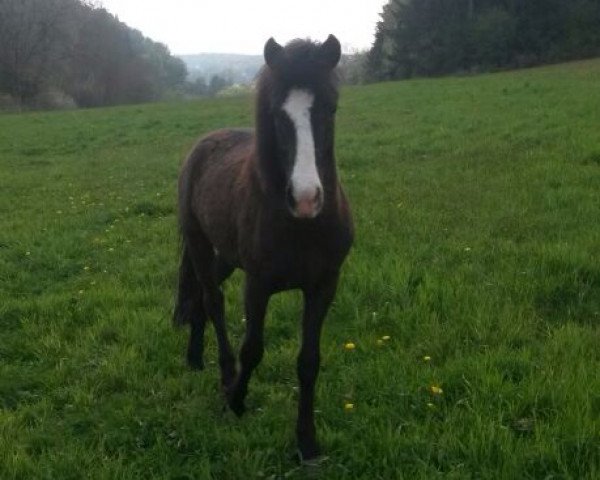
256	298
316	303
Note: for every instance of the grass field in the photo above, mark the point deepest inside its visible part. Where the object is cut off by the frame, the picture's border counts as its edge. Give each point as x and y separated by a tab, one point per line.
477	207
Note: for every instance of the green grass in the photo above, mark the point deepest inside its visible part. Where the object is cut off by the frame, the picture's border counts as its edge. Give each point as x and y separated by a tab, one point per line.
477	207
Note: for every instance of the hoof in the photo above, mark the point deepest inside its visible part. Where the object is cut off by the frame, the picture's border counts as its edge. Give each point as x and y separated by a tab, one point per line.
314	460
237	407
195	363
308	452
235	404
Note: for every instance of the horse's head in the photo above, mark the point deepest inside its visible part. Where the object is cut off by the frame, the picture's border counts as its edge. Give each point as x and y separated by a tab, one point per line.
298	99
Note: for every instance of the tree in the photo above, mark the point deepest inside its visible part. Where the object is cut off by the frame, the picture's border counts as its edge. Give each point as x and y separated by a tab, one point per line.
434	37
34	40
352	68
217	83
74	47
197	88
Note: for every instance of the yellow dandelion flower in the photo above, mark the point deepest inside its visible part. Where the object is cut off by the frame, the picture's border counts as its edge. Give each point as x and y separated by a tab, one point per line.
427	358
349	346
436	389
348	406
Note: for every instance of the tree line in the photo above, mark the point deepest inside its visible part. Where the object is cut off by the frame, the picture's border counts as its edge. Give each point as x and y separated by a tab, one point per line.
200	87
436	37
57	53
71	51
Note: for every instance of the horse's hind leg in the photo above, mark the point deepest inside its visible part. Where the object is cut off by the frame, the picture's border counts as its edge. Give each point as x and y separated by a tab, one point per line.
210	273
190	309
221	271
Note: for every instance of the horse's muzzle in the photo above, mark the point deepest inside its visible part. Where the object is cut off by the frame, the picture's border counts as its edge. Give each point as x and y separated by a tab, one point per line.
307	205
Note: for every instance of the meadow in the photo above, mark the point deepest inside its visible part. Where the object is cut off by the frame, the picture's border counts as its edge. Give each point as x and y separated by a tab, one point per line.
477	257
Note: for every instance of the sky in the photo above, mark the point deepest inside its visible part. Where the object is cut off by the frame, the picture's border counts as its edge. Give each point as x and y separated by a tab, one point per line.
243	26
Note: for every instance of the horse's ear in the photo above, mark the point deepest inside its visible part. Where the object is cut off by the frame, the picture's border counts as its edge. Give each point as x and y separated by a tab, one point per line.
330	52
272	52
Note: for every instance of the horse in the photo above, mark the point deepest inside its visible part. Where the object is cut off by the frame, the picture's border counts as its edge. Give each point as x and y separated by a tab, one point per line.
269	202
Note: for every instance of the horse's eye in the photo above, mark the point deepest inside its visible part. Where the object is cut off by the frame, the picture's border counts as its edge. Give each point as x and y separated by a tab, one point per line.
327	110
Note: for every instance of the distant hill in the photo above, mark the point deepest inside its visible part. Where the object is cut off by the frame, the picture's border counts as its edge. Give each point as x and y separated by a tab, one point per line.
235	67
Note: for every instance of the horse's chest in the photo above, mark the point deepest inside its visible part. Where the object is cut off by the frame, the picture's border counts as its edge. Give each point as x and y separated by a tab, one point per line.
294	260
295	268
305	258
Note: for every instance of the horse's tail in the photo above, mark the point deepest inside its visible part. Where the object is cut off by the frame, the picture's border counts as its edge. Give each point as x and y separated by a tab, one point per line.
188	285
188	291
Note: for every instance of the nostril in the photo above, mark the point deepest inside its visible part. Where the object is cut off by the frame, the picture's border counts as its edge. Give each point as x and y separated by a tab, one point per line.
318	197
289	197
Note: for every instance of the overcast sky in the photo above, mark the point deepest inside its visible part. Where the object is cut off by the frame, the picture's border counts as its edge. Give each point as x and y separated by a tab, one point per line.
243	26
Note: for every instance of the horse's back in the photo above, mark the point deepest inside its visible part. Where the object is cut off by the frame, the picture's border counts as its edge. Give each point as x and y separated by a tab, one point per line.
209	184
212	156
218	147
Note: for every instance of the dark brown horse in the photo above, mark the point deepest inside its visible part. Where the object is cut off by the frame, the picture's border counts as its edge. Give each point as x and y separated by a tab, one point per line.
268	202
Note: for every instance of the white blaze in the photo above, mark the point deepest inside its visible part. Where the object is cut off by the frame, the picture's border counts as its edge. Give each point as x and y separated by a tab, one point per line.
305	178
